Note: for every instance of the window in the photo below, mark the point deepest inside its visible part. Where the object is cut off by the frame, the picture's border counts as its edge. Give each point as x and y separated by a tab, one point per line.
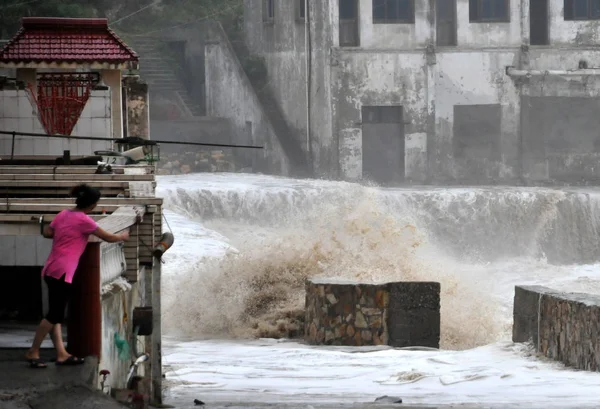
300	10
393	11
349	33
489	11
268	11
582	9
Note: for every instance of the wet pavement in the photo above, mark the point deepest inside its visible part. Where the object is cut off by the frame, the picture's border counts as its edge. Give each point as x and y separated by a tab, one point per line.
52	388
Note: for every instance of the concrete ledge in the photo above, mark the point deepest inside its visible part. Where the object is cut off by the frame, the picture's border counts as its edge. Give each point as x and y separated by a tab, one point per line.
401	314
561	326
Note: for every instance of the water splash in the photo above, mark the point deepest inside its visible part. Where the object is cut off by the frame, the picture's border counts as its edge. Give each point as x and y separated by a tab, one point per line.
288	230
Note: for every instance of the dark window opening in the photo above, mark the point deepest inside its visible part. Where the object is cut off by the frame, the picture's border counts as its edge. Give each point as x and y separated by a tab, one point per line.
348	10
446	23
268	11
393	11
489	11
538	22
477	131
582	10
349	36
300	10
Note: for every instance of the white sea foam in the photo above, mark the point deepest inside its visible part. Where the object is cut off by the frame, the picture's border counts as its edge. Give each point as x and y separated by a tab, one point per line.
245	243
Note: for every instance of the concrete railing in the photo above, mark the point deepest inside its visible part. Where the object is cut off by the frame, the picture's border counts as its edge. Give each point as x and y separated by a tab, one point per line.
561	326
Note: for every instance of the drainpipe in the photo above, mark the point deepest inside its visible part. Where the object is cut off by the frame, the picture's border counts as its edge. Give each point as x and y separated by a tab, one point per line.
307	51
512	72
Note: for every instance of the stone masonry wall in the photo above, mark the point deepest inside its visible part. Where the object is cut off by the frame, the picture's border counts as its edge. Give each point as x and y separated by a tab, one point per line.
359	314
562	326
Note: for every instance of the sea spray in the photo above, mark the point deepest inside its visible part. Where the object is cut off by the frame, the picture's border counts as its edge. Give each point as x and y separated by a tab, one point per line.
258	291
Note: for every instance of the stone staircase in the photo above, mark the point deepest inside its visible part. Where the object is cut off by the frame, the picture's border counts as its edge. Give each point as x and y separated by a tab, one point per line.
287	136
163	73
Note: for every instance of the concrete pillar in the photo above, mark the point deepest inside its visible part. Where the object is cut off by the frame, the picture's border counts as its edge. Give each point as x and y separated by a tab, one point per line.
156	355
136	108
84	327
112	78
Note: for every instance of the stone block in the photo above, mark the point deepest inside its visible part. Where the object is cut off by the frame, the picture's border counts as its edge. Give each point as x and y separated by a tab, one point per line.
525	313
414	314
357	314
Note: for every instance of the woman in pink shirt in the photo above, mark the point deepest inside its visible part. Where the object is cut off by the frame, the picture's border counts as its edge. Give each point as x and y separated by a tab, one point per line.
69	231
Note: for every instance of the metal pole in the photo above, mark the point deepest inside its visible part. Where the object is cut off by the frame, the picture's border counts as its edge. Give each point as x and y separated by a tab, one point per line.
12	150
144	142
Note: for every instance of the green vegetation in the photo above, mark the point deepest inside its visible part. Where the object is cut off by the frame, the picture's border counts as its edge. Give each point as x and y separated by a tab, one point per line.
131	16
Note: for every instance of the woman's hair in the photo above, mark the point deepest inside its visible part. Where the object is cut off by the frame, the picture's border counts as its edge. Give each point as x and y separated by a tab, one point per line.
85	196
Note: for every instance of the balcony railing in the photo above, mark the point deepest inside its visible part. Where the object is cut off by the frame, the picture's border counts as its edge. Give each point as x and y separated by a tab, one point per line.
112	262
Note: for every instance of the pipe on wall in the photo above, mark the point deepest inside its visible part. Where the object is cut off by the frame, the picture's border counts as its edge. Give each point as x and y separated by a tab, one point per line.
512	72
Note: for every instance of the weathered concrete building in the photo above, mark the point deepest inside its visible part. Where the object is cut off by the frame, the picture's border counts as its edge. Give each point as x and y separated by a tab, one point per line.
67	100
452	91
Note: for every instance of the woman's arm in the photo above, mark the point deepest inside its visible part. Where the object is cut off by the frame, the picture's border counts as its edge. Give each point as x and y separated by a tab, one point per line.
48	232
109	237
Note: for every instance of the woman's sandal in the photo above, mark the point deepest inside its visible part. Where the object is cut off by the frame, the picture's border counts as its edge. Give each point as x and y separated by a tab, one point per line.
37	364
70	361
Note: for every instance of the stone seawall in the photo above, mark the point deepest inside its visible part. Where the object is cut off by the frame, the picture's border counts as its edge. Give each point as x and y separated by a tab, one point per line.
561	326
348	313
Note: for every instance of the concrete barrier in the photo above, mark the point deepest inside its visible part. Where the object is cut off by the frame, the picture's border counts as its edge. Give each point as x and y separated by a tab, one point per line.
561	326
400	314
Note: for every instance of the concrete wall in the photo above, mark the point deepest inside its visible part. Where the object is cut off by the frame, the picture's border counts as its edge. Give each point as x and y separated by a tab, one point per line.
30	251
561	326
112	78
19	113
399	64
283	46
229	94
136	108
113	305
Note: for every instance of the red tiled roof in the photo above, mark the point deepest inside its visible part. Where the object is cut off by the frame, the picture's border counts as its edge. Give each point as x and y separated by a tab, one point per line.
45	40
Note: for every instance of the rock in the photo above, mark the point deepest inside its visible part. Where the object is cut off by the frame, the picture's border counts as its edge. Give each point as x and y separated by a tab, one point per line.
350	331
198	402
388	399
329	336
381	299
371	311
376	324
367	336
360	321
185	169
313	331
331	298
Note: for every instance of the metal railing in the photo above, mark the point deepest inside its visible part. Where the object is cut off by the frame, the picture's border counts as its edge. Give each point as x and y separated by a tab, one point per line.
138	141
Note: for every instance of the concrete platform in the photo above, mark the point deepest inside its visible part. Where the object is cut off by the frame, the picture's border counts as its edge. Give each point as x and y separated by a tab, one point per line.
54	387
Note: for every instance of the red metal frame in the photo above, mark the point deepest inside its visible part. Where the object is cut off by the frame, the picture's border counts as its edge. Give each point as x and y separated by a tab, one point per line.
61	97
